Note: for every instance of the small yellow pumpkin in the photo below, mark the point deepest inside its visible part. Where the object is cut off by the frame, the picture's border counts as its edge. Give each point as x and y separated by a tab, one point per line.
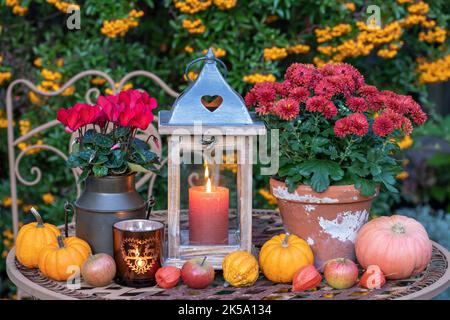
32	238
57	260
281	256
240	269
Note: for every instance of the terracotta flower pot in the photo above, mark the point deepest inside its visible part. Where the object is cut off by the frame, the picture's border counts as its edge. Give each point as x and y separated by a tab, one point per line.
328	221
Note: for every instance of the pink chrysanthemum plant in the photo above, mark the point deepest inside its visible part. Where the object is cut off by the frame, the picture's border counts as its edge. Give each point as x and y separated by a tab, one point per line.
107	142
334	128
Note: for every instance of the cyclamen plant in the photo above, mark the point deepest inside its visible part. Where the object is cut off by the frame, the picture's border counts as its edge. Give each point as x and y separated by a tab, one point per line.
334	128
107	142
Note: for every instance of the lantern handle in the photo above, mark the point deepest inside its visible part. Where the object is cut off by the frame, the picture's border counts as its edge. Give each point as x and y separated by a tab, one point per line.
68	207
149	206
208	58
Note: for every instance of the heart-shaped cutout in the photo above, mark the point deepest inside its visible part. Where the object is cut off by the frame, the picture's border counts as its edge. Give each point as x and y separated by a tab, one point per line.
211	103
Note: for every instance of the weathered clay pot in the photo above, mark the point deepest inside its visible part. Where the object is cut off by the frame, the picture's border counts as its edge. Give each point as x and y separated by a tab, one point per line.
328	221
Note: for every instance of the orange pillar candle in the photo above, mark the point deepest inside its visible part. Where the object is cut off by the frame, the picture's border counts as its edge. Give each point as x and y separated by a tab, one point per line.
208	215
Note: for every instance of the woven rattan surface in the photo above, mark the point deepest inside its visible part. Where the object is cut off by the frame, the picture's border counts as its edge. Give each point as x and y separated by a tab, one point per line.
266	223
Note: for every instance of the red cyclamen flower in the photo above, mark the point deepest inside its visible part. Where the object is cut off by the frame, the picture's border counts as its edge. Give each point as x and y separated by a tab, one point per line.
111	107
137	110
128	108
78	116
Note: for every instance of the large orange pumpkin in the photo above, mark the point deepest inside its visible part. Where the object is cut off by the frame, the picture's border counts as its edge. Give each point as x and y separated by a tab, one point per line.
281	256
398	245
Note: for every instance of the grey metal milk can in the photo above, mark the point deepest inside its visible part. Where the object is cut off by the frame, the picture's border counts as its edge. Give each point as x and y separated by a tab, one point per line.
103	202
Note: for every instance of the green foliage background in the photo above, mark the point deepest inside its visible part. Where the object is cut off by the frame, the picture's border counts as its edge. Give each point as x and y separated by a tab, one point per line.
158	44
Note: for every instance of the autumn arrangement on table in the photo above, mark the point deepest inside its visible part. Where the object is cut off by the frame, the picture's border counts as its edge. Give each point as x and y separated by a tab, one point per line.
335	130
284	258
107	142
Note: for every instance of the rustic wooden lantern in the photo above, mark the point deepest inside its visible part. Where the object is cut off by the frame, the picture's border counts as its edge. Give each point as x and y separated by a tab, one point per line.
196	124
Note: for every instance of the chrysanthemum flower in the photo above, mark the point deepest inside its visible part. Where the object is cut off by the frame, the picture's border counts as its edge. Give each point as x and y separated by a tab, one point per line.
322	105
367	91
383	126
326	88
355	123
265	92
250	99
299	94
357	104
287	109
304	75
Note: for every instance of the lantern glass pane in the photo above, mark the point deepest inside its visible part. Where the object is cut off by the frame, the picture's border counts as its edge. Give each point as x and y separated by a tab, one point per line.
208	198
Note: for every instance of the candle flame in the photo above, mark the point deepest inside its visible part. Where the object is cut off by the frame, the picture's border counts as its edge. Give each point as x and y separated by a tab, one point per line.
206	172
208	180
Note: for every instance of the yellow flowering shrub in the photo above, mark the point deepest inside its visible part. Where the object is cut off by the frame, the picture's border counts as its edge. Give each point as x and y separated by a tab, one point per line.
271	200
275	53
219	52
38	62
34	98
225	4
16	7
420	8
192	75
188	49
63	6
48	198
192	6
4	77
51	75
119	27
405	143
194	26
436	35
98	81
298	49
434	71
126	86
258	77
402	175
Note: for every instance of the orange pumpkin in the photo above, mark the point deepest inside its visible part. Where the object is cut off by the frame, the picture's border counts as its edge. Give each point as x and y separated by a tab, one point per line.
398	245
32	238
281	256
56	261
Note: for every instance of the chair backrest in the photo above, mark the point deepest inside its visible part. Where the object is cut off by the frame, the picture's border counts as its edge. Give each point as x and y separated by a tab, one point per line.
14	160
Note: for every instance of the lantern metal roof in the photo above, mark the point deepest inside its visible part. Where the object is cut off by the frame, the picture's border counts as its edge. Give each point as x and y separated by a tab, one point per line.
192	107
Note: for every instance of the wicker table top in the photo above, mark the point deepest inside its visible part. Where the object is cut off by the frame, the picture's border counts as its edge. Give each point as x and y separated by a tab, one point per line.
266	223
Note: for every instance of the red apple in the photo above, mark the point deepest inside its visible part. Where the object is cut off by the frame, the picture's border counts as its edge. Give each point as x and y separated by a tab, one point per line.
197	273
372	278
99	270
341	273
